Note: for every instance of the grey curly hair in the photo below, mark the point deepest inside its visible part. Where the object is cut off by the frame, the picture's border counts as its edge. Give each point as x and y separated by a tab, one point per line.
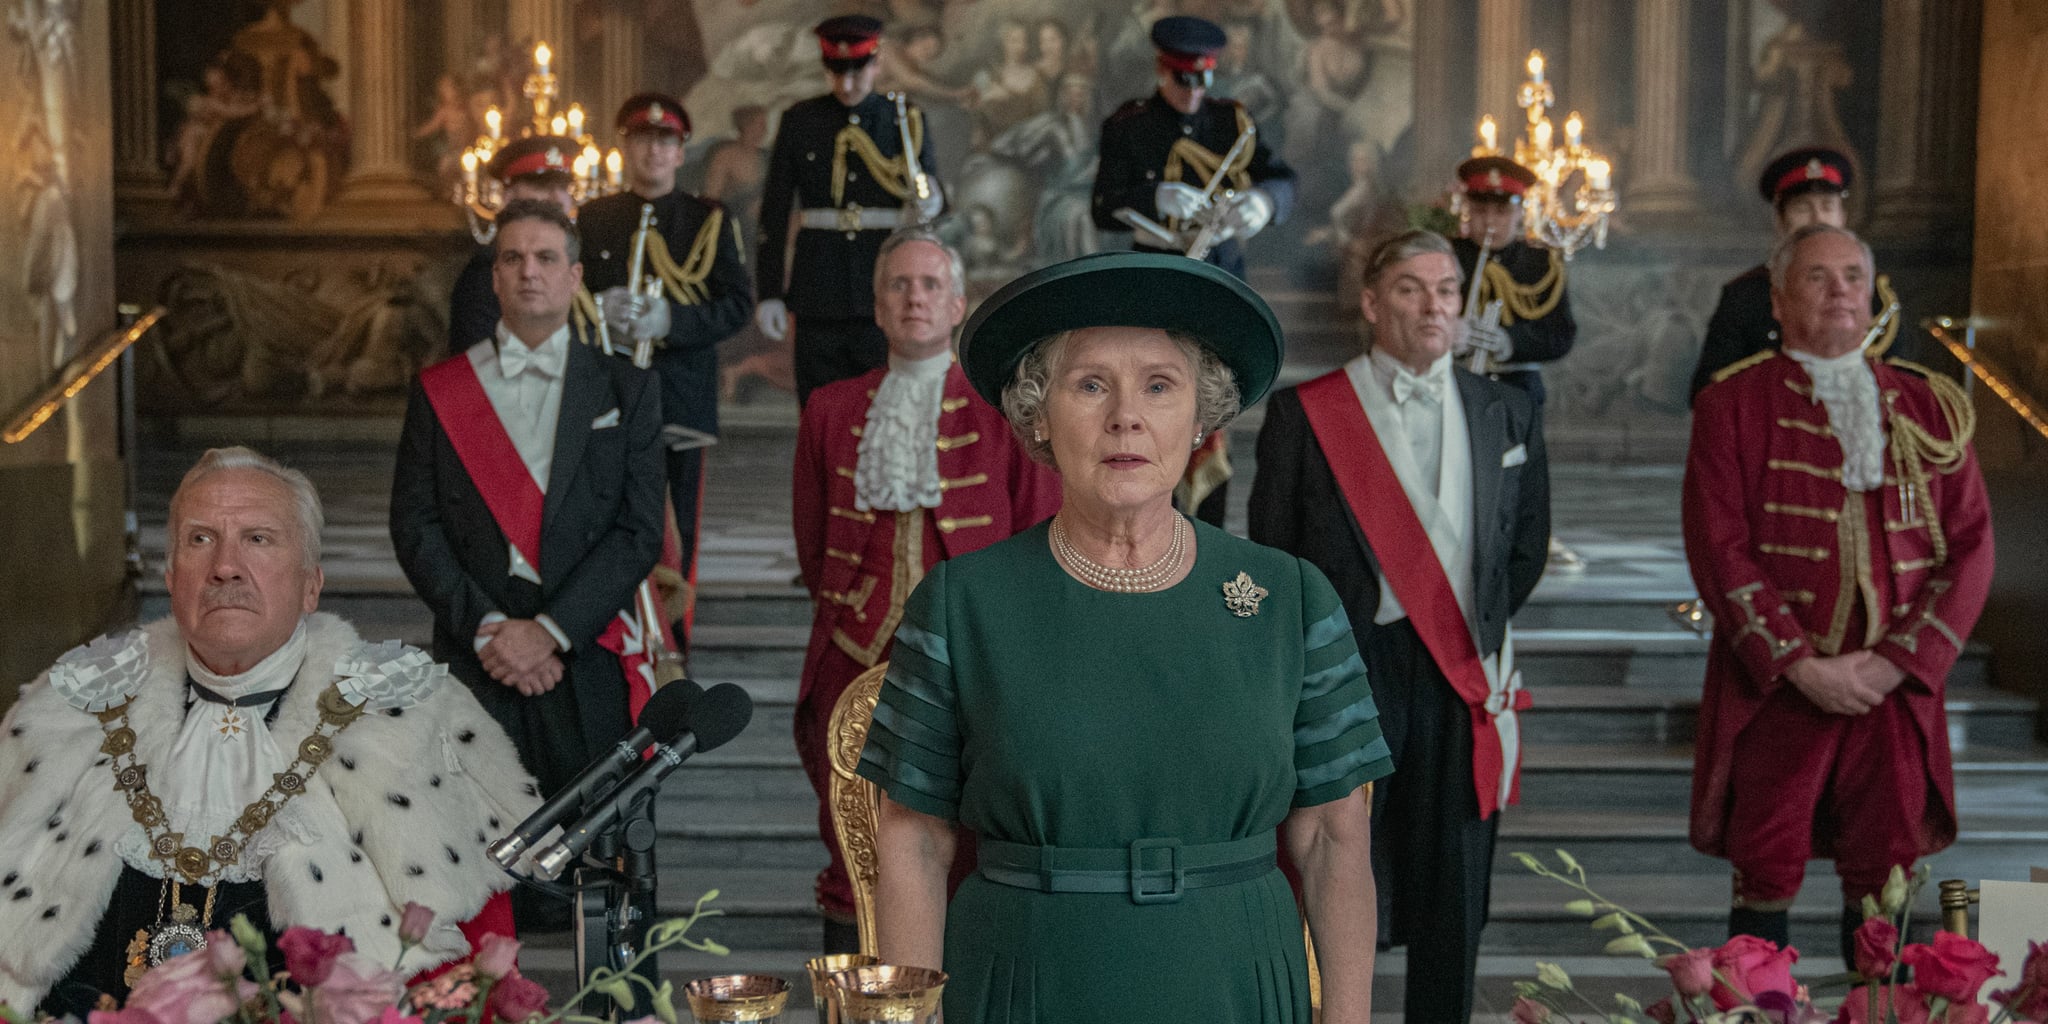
1024	398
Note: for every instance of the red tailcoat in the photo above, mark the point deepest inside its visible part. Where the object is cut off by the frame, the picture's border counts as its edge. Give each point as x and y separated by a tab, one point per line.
1793	564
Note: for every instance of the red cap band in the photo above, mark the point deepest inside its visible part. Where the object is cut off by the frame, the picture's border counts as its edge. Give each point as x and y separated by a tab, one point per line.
1814	170
659	116
537	162
849	49
1494	182
1176	61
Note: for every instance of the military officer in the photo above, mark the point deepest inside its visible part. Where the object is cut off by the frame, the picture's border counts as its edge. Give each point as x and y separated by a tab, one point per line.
838	169
535	167
1804	186
693	253
1532	323
1160	152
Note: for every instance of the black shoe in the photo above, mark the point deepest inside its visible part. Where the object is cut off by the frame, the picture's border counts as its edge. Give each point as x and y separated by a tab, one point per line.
1772	925
841	937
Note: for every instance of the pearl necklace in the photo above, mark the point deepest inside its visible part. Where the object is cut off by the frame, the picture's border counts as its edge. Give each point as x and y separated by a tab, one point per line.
1122	581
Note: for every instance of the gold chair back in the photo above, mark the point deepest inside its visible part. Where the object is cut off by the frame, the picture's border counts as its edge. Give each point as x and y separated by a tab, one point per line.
856	803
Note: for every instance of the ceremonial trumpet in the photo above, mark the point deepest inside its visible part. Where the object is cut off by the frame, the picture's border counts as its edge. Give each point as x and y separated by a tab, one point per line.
913	168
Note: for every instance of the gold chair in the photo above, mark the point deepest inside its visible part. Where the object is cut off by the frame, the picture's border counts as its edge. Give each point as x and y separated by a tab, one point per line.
857	813
856	802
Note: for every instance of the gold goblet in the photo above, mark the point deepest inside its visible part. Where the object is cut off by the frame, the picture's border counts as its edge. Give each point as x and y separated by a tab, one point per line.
737	997
822	969
887	994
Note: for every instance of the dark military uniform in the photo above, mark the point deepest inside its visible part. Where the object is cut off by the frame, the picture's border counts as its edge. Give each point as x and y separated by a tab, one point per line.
1146	142
825	159
704	281
1743	326
1545	335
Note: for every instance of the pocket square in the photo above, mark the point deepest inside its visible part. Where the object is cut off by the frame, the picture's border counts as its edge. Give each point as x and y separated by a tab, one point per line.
1514	456
610	419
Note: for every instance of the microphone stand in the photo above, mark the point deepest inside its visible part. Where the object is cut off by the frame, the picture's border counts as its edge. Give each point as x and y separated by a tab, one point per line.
615	891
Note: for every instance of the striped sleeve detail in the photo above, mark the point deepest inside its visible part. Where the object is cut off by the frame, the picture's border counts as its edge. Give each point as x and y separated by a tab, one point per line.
913	748
1337	742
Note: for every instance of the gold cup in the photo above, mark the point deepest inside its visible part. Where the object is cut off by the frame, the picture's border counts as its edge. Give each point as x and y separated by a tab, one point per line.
887	994
822	992
737	997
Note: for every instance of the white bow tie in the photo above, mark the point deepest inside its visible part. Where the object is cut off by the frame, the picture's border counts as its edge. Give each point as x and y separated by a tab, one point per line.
515	358
1428	386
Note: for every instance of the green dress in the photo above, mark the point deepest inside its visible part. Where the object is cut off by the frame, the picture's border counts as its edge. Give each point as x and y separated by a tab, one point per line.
1036	710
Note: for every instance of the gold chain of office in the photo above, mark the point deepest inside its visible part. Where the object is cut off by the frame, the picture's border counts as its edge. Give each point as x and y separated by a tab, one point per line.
202	865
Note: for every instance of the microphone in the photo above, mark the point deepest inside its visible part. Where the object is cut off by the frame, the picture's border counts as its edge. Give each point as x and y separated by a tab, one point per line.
665	716
716	717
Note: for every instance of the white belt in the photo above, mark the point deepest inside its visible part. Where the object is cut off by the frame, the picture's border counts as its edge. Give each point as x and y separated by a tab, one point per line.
1504	682
1515	368
851	218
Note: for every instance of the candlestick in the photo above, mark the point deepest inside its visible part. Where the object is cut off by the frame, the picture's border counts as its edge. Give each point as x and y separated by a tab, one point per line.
614	166
576	120
493	120
558	125
1542	135
1489	134
1597	173
1573	128
541	56
1536	66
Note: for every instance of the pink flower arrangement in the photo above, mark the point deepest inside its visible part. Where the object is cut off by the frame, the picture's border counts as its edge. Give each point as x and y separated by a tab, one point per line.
1748	980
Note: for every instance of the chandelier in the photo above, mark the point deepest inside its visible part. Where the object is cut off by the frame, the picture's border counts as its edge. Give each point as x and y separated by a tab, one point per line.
593	172
1574	192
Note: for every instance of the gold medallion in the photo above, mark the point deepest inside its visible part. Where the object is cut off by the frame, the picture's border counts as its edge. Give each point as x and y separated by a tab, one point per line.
1242	596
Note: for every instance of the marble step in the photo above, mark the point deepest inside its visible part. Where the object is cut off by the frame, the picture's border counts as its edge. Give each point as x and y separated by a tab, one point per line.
1598	776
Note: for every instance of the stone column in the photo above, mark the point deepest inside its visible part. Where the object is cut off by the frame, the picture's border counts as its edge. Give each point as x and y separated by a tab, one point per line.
378	172
1503	57
136	166
1658	184
1586	76
458	31
1924	140
620	67
1442	133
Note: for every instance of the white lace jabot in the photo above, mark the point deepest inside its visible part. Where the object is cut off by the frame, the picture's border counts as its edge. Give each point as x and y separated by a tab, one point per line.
898	468
1847	386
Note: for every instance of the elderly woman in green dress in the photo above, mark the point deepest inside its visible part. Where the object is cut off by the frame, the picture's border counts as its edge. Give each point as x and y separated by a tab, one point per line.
1132	710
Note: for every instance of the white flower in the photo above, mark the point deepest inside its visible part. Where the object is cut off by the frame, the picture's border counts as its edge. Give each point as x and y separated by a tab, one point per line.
103	673
388	675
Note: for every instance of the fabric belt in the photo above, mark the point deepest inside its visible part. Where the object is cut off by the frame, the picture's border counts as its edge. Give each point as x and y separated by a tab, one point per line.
850	218
1150	870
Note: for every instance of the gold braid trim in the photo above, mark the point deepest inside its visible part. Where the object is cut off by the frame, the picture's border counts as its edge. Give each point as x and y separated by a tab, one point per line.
1187	156
202	866
1522	301
1742	364
685	282
1885	297
891	174
583	316
1915	450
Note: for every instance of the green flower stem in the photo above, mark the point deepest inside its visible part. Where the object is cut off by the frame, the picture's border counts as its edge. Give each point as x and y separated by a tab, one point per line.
2019	998
666	935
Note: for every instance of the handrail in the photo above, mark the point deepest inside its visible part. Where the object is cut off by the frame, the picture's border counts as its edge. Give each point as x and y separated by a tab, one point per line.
74	375
1993	377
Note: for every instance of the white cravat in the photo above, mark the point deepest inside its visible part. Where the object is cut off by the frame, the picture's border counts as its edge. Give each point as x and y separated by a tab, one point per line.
224	757
1442	496
1847	386
1420	399
525	388
898	468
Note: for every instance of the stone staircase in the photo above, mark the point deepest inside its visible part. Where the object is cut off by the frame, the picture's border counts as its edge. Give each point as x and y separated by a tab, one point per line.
1607	772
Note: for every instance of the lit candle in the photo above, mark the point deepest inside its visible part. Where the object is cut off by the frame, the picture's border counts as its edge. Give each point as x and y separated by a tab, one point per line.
541	56
1541	135
1536	66
614	166
493	121
469	172
1573	127
1488	134
576	119
1597	172
558	125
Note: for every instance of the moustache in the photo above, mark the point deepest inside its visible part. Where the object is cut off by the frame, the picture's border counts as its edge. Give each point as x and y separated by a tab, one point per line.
227	595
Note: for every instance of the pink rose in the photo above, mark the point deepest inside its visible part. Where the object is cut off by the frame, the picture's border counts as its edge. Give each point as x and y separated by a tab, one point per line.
497	956
413	923
1662	1011
184	990
516	999
1692	972
356	991
1877	943
131	1015
1528	1011
228	958
309	954
1753	966
1953	968
394	1015
1859	1008
2029	998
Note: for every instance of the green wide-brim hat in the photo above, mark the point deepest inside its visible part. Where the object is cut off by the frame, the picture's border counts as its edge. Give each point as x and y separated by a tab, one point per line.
1124	289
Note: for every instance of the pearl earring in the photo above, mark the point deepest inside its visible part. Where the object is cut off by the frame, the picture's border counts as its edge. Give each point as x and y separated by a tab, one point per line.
1037	437
1198	439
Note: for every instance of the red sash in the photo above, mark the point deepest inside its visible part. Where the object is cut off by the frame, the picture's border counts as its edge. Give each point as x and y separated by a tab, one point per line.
1371	488
516	502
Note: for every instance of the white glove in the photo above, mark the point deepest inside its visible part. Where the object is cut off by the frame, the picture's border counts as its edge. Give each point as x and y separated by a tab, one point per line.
1174	199
622	306
1246	214
1485	334
653	322
772	316
929	208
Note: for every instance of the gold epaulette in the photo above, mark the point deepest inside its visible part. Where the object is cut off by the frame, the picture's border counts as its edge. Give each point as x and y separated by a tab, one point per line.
1956	408
1525	302
1742	364
684	282
583	317
891	173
